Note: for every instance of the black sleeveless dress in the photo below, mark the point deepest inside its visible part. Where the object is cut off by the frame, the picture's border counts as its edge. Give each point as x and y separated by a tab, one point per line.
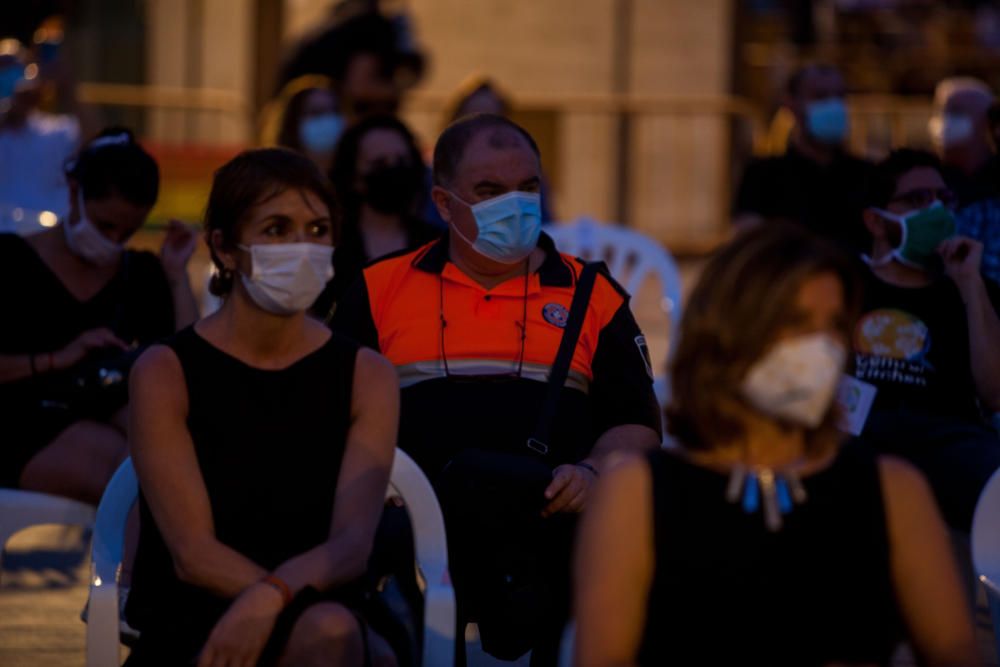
269	445
726	591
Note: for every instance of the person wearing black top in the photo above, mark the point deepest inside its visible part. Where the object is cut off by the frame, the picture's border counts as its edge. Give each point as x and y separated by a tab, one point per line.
262	445
927	337
816	183
76	306
758	540
379	177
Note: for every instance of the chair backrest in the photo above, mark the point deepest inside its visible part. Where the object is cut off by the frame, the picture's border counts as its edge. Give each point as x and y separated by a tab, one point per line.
632	258
21	509
986	531
106	556
431	545
406	479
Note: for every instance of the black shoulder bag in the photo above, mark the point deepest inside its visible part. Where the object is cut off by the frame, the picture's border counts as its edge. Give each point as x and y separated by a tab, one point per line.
502	552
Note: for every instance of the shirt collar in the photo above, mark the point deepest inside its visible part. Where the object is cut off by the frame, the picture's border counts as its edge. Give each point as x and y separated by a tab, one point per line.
554	271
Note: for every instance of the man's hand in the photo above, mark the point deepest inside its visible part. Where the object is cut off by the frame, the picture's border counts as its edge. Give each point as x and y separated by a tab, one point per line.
240	635
178	246
962	259
569	490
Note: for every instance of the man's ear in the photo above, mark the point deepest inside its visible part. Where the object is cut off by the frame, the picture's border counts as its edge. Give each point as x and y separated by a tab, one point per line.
441	197
874	222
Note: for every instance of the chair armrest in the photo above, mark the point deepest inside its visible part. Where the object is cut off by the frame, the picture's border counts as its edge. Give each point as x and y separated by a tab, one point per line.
439	625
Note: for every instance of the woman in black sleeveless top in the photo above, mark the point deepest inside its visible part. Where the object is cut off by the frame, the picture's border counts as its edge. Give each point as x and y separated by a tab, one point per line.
759	541
262	445
76	306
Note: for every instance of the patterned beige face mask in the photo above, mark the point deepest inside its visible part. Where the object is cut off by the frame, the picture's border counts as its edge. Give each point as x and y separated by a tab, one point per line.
797	379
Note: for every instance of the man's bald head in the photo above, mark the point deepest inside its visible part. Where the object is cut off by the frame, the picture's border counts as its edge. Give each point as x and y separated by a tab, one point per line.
500	133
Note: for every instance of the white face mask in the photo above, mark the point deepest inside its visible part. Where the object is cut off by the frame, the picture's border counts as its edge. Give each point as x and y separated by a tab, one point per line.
797	379
286	278
89	244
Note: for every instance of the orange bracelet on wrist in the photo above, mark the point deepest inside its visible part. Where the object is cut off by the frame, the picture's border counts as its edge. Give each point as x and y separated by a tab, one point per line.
279	585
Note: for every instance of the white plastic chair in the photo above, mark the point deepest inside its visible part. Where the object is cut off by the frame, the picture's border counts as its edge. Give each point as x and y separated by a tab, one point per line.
406	481
566	646
23	509
986	548
632	258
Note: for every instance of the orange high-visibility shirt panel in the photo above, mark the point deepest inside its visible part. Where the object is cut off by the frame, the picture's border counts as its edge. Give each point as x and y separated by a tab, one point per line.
422	316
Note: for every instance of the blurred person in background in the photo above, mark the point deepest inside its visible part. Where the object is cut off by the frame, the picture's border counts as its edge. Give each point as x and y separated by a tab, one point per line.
961	133
479	93
305	118
262	445
33	146
370	57
980	220
379	178
77	309
816	182
927	336
825	554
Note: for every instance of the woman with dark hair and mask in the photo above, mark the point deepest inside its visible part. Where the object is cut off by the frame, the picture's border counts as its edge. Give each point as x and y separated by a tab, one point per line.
76	305
262	444
305	118
759	540
380	178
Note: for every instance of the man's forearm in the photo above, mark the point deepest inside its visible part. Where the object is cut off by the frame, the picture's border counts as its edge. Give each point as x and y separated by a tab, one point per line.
984	343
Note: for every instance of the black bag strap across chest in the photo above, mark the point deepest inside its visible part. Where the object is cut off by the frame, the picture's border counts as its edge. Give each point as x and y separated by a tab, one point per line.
539	440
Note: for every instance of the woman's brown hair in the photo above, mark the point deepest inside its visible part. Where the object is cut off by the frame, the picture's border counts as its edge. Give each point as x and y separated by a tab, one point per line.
250	179
745	294
281	117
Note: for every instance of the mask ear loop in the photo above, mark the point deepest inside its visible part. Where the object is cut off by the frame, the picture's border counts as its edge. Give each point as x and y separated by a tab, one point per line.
894	253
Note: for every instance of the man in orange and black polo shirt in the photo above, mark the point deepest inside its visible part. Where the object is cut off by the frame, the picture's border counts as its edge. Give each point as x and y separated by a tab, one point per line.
473	322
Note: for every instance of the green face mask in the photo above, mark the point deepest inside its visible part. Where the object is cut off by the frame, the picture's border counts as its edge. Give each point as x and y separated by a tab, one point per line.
922	232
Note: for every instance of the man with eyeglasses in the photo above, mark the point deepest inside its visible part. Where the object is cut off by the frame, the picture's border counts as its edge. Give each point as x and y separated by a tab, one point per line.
473	323
816	182
928	338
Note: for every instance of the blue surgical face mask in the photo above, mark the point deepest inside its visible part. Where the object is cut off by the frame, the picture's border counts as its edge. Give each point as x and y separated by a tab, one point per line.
9	78
508	226
319	134
827	120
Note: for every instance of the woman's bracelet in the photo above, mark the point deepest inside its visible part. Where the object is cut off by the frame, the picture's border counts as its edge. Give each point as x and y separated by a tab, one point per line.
278	584
587	466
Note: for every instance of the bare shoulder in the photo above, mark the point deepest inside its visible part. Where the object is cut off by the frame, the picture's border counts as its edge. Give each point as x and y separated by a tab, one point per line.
901	479
372	367
157	387
158	363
